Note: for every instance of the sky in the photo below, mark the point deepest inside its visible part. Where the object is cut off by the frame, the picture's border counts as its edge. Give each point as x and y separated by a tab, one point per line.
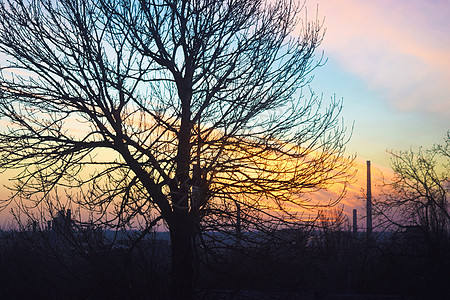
389	60
390	63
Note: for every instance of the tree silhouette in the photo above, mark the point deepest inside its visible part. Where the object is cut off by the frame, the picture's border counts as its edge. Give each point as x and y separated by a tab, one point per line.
176	110
413	213
417	198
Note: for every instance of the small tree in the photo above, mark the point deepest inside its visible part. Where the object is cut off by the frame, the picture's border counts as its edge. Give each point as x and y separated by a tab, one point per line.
418	196
414	210
166	110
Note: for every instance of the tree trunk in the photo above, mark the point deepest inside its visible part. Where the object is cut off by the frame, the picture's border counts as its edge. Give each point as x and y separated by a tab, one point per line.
182	261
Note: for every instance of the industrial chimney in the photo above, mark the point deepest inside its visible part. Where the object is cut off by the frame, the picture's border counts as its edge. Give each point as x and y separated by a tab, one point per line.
369	202
355	221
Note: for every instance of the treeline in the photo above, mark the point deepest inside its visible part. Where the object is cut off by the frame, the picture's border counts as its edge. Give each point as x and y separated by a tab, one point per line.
304	264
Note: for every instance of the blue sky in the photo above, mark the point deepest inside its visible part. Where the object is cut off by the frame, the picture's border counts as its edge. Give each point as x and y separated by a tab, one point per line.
390	62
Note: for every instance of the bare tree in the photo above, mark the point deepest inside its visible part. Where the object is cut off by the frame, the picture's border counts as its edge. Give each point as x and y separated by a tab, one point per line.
417	198
160	109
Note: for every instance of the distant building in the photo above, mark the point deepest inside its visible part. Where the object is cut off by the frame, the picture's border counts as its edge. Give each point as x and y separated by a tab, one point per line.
63	222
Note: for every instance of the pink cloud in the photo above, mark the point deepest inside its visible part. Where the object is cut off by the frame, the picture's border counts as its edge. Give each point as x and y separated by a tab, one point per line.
400	48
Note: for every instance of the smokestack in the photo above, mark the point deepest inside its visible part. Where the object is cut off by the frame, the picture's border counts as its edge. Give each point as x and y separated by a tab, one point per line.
355	221
238	220
369	201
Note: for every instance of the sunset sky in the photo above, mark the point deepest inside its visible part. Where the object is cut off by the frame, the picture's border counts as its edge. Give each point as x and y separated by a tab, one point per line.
390	62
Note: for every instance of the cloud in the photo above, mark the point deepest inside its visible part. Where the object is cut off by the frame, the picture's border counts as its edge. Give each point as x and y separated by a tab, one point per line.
399	48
